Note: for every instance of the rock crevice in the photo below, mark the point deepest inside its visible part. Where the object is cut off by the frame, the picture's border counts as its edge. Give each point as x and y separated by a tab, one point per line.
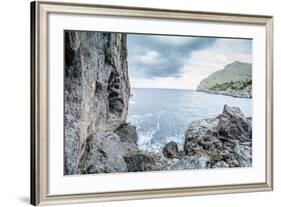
96	92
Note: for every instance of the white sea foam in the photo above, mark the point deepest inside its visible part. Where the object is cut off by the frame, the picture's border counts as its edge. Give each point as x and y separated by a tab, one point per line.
161	116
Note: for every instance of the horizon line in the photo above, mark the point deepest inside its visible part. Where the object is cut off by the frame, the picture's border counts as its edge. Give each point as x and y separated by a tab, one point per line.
164	88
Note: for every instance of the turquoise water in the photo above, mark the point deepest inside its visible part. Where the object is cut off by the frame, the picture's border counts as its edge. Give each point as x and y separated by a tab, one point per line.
163	115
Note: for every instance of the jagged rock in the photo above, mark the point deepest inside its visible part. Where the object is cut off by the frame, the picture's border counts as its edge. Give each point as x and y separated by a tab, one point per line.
171	150
233	124
202	131
225	140
140	161
220	164
103	154
189	162
96	92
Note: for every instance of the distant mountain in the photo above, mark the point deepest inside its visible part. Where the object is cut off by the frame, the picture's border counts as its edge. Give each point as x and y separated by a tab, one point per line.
234	80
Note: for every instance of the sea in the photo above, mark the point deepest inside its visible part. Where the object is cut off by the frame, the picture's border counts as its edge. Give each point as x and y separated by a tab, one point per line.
163	115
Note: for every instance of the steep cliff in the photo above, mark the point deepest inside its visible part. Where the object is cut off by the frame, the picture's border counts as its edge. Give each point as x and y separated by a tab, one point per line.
96	93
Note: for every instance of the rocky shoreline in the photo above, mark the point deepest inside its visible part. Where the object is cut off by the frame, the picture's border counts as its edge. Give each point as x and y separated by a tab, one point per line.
221	142
97	138
235	94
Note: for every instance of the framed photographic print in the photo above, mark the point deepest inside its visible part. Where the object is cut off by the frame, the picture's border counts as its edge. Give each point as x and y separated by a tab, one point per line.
134	103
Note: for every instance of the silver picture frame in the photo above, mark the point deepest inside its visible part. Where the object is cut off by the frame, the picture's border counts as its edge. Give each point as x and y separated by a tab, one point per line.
39	100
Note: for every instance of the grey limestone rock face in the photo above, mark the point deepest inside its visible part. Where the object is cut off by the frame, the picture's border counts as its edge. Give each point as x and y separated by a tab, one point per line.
96	91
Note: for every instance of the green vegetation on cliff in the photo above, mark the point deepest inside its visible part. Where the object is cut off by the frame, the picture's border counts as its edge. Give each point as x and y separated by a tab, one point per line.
234	80
232	85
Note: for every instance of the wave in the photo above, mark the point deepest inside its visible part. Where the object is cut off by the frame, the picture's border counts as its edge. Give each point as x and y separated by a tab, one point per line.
151	136
161	116
148	139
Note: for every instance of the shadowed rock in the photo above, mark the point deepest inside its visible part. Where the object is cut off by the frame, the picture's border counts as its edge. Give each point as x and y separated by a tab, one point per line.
127	133
140	161
171	150
103	154
96	92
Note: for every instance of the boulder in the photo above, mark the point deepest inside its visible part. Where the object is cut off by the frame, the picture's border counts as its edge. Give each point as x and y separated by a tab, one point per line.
171	150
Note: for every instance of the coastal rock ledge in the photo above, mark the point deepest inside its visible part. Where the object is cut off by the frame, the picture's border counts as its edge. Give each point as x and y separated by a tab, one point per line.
221	142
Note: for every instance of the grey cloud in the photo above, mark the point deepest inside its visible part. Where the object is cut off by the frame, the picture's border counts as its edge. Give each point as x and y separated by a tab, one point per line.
171	52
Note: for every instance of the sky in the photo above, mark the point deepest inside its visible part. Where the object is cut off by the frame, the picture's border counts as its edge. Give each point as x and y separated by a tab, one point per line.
181	62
